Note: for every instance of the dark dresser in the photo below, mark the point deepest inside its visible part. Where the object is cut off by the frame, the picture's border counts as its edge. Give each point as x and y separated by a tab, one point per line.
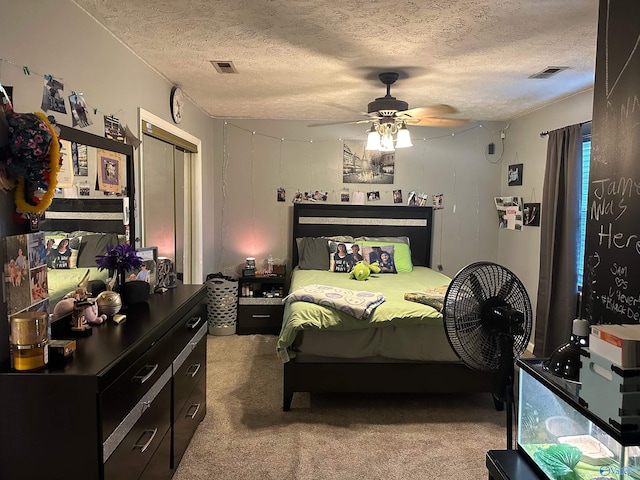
125	407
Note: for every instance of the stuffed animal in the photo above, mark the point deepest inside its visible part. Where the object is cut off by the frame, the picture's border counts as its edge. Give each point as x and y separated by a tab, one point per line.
65	307
91	314
362	270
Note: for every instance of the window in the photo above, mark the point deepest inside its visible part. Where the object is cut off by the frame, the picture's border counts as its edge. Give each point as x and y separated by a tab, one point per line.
581	237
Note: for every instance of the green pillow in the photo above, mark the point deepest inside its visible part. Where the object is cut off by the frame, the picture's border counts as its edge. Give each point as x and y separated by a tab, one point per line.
401	254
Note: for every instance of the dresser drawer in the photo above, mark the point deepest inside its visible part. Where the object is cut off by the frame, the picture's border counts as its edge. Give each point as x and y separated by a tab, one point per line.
191	370
137	448
187	328
188	418
119	398
260	318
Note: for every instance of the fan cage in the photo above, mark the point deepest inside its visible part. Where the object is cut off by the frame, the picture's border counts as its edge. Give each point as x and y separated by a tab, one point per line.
475	345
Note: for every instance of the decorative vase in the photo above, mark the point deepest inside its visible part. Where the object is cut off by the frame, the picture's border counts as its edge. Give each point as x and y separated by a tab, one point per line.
135	291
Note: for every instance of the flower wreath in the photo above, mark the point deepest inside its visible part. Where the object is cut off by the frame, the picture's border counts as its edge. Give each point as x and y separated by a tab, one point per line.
34	160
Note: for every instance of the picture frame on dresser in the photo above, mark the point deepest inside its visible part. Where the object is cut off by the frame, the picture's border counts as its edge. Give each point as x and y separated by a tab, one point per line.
149	271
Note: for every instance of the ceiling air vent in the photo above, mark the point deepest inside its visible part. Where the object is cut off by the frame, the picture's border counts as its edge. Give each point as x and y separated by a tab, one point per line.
224	66
548	72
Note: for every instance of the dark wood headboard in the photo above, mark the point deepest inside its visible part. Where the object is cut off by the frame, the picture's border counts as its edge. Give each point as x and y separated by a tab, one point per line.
103	215
318	220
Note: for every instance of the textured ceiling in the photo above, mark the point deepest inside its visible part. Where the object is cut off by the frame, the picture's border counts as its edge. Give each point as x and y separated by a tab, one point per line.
319	59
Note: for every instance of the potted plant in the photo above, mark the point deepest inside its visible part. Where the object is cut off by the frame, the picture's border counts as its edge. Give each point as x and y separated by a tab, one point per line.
120	259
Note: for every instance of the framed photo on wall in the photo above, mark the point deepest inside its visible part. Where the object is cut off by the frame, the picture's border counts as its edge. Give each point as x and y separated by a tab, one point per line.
366	166
515	175
532	214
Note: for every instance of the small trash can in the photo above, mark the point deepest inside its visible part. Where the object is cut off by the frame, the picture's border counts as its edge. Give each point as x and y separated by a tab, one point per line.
222	303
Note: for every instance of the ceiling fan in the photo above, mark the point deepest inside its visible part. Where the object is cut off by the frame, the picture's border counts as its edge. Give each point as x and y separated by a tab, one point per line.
390	116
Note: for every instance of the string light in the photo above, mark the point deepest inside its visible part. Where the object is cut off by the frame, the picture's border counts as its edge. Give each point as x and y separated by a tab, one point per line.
48	77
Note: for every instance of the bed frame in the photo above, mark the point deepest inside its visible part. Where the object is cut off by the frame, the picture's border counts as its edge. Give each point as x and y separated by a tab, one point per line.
379	376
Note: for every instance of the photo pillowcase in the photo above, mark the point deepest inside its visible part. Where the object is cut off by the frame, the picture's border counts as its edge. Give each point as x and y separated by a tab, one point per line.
343	256
383	254
59	253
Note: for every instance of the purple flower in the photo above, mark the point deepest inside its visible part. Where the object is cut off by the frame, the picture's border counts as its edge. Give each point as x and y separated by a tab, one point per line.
120	258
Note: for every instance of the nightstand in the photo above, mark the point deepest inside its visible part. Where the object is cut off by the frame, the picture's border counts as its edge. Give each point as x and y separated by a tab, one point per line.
260	306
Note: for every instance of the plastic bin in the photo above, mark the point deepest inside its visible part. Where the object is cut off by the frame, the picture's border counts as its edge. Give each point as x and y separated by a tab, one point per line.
222	306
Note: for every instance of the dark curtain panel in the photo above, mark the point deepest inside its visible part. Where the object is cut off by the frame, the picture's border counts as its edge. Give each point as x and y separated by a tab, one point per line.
559	226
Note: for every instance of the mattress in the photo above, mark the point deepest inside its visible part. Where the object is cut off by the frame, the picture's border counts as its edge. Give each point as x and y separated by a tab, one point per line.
426	343
396	329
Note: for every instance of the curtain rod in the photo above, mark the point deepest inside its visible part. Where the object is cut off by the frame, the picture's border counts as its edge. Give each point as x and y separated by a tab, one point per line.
544	134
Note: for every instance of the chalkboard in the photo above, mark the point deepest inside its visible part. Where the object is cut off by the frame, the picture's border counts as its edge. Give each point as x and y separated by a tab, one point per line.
612	251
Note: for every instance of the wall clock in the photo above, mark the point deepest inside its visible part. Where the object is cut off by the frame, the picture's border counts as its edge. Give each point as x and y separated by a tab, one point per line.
177	104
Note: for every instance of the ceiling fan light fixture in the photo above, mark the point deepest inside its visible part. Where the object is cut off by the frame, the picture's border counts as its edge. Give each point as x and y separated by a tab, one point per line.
403	138
373	139
386	143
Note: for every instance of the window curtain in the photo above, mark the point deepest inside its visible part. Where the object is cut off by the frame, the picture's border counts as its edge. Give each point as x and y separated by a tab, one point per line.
559	226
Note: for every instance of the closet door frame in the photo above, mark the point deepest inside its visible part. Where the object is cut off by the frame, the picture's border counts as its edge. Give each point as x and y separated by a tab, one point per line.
193	268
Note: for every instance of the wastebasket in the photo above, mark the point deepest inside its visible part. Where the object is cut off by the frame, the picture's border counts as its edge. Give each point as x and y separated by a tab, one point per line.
222	301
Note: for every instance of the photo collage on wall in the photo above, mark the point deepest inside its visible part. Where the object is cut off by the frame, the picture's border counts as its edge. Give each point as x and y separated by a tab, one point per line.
25	273
365	167
510	212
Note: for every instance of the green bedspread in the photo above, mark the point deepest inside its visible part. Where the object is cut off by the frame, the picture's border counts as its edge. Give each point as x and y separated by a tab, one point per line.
394	311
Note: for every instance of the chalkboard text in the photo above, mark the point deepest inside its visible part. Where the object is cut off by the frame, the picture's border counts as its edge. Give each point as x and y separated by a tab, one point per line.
618	239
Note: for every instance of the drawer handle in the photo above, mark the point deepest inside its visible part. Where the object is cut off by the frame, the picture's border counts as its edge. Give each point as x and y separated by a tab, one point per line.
195	407
192	370
143	447
261	316
145	373
193	323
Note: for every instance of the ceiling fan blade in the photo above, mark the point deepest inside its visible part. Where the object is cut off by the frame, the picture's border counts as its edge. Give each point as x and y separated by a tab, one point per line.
432	111
437	122
353	122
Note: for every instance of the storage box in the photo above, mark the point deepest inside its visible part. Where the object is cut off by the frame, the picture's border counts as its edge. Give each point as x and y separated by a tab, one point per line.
618	343
280	270
610	391
61	349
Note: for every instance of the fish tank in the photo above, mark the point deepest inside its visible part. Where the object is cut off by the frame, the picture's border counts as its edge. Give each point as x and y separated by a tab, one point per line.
562	438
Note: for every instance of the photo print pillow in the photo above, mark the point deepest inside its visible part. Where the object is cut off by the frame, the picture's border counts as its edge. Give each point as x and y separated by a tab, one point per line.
383	254
59	253
343	256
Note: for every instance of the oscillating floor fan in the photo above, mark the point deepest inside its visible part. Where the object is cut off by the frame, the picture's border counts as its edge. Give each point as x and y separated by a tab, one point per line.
488	319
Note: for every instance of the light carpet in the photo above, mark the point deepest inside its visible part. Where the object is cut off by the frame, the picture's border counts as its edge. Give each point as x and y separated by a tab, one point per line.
246	435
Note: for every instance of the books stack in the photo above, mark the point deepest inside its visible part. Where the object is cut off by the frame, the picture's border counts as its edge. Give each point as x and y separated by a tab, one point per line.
619	344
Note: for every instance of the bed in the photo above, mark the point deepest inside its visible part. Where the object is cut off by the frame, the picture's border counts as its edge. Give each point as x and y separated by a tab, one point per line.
401	347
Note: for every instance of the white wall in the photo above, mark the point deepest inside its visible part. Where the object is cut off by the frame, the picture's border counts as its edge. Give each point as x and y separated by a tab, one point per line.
241	171
252	223
58	38
520	251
